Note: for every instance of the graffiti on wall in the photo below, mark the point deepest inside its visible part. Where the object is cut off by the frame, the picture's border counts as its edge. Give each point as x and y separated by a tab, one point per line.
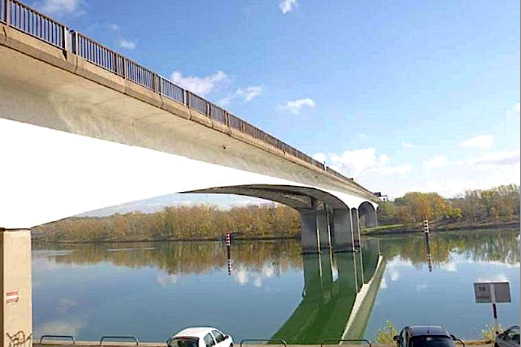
20	340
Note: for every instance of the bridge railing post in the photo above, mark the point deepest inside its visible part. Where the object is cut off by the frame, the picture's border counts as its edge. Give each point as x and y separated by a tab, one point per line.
6	13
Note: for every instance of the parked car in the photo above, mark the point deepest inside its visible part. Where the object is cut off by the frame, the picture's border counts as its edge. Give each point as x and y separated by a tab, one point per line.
200	337
425	336
508	338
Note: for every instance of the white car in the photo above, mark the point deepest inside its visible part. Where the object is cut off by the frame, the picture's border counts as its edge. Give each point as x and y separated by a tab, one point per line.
200	337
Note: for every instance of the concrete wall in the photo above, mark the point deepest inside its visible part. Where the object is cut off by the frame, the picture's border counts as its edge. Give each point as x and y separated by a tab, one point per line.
15	283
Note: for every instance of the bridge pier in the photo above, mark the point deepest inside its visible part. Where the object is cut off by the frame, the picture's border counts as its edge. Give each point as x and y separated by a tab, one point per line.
309	236
343	231
367	213
356	228
323	228
15	283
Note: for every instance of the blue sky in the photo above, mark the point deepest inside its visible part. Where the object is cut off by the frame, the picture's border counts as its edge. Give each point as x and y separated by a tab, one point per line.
401	95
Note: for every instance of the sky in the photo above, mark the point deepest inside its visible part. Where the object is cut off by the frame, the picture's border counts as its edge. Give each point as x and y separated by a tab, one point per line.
401	95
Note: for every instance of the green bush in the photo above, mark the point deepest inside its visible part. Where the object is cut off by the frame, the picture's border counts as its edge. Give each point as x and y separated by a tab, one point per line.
489	333
386	334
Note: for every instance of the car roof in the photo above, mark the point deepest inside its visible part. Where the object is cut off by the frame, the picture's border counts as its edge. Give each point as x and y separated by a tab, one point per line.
195	332
428	330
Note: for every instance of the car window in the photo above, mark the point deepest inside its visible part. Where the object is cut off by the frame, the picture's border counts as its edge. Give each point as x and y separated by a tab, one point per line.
401	341
431	341
512	334
208	340
184	342
218	336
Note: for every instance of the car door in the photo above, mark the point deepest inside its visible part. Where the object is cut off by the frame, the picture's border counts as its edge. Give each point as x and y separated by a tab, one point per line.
220	339
512	337
209	341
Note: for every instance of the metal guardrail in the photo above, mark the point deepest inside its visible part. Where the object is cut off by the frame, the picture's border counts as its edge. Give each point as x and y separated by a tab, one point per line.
325	342
118	337
34	23
265	340
68	337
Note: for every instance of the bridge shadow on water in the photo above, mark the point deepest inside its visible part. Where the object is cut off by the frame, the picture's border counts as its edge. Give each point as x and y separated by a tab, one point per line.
338	296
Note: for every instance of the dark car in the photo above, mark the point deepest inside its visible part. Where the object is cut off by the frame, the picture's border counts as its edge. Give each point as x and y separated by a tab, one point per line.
508	338
425	336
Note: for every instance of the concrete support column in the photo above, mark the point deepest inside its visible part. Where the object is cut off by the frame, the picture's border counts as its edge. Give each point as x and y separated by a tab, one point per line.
323	228
356	228
343	231
309	235
15	283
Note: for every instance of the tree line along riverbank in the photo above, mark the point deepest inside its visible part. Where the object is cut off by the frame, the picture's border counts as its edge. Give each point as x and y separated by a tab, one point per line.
496	207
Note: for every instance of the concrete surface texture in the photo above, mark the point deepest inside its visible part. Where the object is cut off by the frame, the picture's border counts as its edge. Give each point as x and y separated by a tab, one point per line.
15	283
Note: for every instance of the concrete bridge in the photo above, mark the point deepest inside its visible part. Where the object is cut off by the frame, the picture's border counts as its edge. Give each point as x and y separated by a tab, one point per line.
93	111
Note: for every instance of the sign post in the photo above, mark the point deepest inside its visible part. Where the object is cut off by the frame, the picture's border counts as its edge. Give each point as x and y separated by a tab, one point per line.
492	292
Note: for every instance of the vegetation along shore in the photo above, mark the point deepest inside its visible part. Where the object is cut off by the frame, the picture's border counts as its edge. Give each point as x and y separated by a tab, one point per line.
492	208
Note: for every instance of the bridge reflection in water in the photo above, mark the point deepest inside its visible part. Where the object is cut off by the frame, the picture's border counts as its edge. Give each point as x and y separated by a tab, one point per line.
338	296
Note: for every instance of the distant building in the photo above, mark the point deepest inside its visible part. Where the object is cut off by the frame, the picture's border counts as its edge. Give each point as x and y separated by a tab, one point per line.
381	196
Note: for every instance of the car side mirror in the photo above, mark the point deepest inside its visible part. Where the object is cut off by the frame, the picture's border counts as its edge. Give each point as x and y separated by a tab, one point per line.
396	337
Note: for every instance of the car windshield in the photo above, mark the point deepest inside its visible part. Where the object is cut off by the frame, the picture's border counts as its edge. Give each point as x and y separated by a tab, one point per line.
431	341
184	342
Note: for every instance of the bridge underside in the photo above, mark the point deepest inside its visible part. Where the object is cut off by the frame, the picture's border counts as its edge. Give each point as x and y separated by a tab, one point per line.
326	220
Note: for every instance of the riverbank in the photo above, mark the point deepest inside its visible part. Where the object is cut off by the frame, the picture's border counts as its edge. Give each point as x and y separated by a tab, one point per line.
440	226
41	239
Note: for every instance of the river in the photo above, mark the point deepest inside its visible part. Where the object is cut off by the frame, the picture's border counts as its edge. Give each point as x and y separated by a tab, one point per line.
268	289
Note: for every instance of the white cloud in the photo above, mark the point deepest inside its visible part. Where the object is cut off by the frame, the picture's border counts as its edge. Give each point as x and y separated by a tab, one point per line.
393	170
499	277
496	159
437	161
356	163
163	279
61	7
200	85
395	275
287	5
383	284
296	106
321	157
450	266
245	94
241	276
114	27
127	44
407	144
71	326
64	304
482	141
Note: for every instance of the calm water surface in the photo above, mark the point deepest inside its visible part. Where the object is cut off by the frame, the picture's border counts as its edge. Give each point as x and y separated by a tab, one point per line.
270	290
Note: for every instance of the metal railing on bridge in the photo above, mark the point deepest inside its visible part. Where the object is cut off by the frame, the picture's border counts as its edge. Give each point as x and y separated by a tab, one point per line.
36	24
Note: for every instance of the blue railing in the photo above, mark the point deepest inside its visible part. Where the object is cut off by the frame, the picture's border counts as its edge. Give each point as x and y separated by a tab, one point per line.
34	23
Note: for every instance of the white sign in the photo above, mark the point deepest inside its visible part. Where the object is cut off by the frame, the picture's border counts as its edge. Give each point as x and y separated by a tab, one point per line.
11	297
483	292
